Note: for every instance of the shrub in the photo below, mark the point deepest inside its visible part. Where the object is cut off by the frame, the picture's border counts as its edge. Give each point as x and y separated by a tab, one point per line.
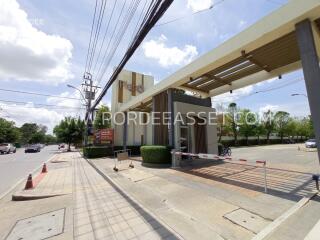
156	154
97	152
107	151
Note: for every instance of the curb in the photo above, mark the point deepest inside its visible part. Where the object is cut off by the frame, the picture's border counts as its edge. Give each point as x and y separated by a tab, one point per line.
129	197
22	179
278	221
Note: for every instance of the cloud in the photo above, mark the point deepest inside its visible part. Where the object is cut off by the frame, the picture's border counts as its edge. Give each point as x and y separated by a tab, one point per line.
232	97
28	54
31	114
267	107
168	56
198	5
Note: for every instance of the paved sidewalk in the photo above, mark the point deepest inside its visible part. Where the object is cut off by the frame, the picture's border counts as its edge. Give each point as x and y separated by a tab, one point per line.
102	211
57	181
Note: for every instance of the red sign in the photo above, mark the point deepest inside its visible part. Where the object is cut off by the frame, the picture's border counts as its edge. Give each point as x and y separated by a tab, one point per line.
106	135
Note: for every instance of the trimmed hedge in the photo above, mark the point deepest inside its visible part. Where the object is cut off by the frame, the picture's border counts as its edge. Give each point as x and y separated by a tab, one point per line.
106	151
156	154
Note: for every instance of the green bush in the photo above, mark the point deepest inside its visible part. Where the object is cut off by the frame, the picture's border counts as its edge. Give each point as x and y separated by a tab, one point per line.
156	154
97	152
106	151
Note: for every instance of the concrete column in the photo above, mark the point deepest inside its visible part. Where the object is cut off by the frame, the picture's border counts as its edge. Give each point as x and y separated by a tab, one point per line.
125	130
171	121
153	126
311	71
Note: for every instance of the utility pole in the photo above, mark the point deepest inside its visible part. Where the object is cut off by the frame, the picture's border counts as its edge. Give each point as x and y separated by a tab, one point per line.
89	93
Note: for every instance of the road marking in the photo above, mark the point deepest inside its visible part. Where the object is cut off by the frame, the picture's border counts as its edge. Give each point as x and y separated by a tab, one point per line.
22	179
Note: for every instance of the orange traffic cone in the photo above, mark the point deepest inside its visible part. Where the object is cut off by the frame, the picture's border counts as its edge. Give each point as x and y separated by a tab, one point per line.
29	183
44	168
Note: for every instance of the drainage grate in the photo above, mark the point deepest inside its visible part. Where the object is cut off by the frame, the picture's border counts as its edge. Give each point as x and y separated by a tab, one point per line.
38	227
248	220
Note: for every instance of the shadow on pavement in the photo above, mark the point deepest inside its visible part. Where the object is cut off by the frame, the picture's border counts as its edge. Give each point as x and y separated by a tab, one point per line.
291	185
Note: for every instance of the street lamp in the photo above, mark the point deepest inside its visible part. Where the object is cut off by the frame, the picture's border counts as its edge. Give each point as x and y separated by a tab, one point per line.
299	94
71	86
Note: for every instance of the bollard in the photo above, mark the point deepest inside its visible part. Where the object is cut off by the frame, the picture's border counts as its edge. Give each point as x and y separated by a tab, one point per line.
29	183
315	177
175	159
265	175
44	168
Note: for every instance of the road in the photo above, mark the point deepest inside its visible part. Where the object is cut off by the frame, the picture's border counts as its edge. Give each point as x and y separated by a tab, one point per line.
284	156
16	166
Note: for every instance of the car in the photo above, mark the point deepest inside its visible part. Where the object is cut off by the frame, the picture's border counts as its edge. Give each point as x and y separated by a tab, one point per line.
32	148
311	143
60	146
7	148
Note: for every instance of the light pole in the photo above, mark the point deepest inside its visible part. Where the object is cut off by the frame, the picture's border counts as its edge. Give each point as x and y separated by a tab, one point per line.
87	105
299	94
71	86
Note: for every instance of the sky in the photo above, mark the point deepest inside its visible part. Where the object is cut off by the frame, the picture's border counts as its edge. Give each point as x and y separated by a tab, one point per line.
44	43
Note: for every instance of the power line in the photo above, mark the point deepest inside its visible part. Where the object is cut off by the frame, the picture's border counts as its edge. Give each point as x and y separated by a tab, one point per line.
38	104
92	27
154	13
260	91
194	13
105	34
119	36
38	94
97	32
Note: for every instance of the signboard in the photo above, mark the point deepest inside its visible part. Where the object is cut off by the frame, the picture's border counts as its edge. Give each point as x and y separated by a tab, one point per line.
104	136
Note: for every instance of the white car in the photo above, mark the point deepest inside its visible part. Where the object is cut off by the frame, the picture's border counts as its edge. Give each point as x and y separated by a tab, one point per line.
7	148
311	143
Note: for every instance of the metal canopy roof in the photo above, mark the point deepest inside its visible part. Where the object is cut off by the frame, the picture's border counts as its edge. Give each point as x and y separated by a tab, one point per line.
276	54
264	50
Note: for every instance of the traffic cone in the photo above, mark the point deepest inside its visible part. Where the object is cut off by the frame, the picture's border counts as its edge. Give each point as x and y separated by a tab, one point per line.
44	168
29	183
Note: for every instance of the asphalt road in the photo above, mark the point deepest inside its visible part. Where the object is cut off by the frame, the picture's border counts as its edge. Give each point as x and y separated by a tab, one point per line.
284	156
15	166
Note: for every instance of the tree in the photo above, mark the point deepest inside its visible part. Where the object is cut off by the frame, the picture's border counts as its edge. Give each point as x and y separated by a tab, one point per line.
247	124
268	123
27	131
282	120
50	139
102	119
9	133
70	130
259	131
231	121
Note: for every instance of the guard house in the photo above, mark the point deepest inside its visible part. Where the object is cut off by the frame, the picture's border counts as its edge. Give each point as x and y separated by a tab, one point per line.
182	134
286	40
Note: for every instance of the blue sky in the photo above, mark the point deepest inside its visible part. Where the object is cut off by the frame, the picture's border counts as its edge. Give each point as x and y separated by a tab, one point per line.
59	35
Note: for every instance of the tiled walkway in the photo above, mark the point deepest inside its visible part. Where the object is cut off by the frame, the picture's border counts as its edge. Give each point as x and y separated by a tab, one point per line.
103	212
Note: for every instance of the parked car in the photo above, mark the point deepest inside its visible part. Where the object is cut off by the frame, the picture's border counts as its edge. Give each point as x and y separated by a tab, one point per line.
32	148
311	143
7	148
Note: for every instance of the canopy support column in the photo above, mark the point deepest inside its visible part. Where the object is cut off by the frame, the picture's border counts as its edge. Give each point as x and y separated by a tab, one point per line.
125	131
311	71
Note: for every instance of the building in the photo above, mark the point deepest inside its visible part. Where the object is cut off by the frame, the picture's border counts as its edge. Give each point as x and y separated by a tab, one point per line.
151	123
286	40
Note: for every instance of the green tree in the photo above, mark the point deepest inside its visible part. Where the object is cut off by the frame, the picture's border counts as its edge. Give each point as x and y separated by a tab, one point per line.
102	119
268	123
231	121
247	124
282	120
50	139
260	131
27	131
9	133
70	131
